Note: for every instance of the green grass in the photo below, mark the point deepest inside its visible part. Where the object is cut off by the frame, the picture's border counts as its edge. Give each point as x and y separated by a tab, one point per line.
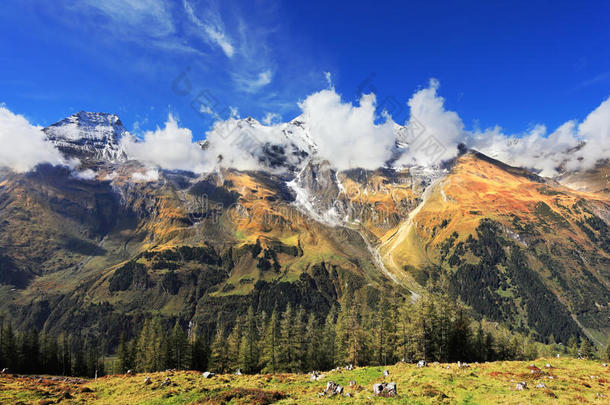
487	383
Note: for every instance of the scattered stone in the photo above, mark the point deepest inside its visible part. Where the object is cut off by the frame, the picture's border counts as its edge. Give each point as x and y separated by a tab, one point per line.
534	369
386	373
604	365
349	367
384	389
147	381
4	370
348	395
463	365
238	372
421	364
558	355
208	374
547	365
167	382
332	388
448	367
352	383
130	372
541	385
314	376
521	386
40	381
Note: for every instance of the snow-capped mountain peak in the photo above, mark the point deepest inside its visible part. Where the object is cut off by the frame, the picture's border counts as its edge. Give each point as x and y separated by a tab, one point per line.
89	135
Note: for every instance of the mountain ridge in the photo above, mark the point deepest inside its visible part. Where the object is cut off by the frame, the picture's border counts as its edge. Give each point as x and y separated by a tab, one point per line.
91	254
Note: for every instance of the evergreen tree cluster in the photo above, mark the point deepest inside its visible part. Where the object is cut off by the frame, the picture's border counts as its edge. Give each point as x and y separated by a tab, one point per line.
31	352
433	328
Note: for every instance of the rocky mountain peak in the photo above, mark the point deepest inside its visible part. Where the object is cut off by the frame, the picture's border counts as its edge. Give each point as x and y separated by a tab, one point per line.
89	135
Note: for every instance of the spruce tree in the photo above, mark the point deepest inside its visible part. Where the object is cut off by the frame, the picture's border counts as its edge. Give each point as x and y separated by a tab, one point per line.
123	354
329	340
286	352
248	351
586	350
270	344
219	351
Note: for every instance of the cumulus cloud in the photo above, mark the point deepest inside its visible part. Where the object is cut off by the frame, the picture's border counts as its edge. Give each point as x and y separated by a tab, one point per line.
271	118
87	174
434	131
347	135
595	131
573	145
170	147
22	145
145	177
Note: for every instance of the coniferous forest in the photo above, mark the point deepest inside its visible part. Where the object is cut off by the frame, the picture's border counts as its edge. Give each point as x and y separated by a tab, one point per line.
434	328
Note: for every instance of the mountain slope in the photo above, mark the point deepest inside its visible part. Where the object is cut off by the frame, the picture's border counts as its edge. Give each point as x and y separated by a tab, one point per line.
98	255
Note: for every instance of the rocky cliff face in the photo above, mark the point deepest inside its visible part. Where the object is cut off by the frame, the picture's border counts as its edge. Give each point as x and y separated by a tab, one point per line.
89	136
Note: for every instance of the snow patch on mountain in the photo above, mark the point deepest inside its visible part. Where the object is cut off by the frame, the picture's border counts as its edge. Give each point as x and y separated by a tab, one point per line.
89	135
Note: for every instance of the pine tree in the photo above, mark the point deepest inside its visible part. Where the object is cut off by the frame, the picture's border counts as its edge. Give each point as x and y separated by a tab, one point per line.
329	340
233	345
181	356
199	350
219	352
573	346
313	344
123	354
286	354
9	346
405	332
248	351
270	344
460	339
298	348
586	351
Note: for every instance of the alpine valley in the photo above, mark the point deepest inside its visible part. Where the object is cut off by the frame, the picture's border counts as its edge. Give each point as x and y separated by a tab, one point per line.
98	251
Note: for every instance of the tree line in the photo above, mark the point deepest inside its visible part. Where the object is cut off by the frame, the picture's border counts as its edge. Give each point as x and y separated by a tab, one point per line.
433	328
31	352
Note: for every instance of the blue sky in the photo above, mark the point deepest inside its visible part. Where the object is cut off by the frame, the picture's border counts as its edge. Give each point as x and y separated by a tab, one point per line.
513	63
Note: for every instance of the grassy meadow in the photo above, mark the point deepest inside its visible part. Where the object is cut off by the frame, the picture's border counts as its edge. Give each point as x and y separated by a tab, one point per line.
567	381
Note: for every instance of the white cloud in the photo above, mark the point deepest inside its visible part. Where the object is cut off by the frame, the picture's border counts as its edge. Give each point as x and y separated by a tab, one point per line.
169	148
150	17
346	135
213	27
251	83
145	177
22	145
329	79
595	131
436	130
535	149
271	118
87	174
206	109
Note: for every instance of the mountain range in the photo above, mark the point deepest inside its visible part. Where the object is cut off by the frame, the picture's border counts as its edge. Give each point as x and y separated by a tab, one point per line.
101	248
